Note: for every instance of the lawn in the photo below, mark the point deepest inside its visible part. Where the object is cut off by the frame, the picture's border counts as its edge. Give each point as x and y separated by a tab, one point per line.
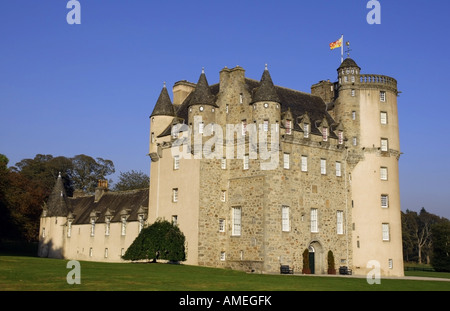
22	273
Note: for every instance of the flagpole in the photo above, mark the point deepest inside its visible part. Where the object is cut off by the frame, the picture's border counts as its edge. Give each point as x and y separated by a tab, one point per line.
342	49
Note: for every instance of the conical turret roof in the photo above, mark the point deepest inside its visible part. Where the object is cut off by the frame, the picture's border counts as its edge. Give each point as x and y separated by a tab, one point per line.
164	106
202	94
58	205
348	62
266	90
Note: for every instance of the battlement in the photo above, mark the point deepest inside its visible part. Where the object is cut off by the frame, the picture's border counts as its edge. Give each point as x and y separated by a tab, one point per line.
378	81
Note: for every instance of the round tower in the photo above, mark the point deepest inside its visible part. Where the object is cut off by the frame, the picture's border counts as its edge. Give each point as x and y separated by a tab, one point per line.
366	106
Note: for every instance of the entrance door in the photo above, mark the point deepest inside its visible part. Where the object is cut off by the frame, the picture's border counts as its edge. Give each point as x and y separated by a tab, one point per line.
311	259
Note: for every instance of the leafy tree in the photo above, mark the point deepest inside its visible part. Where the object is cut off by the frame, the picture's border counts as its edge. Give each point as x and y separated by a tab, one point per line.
132	180
441	246
161	240
87	172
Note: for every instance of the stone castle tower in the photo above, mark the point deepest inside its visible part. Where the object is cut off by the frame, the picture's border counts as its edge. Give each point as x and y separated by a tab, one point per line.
334	186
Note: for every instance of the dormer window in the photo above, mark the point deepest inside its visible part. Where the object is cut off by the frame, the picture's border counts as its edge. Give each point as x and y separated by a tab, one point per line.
306	130
107	225
288	127
141	222
123	220
92	226
325	133
340	137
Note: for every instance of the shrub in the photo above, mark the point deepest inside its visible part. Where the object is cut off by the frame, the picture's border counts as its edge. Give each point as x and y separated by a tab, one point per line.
306	269
331	266
161	240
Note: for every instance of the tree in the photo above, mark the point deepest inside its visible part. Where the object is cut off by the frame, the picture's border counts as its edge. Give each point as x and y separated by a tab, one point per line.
87	172
441	246
161	240
331	264
132	180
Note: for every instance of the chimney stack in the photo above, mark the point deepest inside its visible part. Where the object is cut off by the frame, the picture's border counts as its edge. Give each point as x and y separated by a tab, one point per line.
101	189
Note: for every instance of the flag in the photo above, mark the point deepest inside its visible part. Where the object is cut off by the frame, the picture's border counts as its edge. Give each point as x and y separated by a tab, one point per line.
336	44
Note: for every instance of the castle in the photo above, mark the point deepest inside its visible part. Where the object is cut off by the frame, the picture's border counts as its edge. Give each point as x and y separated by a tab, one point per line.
254	174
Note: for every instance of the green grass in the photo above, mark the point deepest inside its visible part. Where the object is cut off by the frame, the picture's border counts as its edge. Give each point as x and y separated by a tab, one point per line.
20	273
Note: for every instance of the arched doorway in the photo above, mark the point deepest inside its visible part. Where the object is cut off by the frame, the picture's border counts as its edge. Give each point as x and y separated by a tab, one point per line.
316	259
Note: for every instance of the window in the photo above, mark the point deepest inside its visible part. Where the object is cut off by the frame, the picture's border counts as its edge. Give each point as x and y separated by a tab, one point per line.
345	78
353	93
384	201
353	115
384	173
236	221
277	127
223	164
355	141
384	144
153	138
69	228
385	229
340	137
285	225
222	256
241	98
176	162
338	169
246	164
141	222
314	224
305	130
201	127
266	125
383	96
390	263
226	109
107	225
323	166
325	133
124	225
304	163
91	252
288	127
174	220
340	222
223	196
221	225
383	118
106	253
92	226
175	195
286	160
244	127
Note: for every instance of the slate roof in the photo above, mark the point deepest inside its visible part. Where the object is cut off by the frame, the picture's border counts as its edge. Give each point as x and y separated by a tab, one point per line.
348	62
164	106
202	94
297	102
113	202
58	203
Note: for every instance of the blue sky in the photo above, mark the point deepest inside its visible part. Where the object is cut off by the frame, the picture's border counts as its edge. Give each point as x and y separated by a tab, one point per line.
90	88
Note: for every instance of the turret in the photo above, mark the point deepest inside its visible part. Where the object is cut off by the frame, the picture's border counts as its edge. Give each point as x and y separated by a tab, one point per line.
53	222
202	108
161	117
266	104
